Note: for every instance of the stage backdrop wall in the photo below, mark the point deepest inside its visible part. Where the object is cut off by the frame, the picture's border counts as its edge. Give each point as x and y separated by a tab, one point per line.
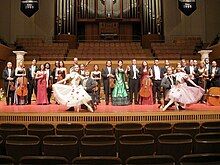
204	21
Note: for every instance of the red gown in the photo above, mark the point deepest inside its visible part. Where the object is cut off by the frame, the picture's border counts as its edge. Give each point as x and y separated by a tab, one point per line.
42	90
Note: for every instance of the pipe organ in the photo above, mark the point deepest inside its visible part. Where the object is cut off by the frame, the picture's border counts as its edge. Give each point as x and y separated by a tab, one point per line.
70	13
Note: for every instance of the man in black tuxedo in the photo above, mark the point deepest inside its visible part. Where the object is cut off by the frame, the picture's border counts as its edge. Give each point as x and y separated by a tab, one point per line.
9	80
32	84
134	81
193	72
214	75
49	81
89	84
107	73
55	71
157	77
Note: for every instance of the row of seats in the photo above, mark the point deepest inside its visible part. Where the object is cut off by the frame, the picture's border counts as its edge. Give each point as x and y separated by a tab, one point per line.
192	159
70	147
155	129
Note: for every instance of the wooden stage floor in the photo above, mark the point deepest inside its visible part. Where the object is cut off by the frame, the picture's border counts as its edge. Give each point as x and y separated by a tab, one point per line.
55	114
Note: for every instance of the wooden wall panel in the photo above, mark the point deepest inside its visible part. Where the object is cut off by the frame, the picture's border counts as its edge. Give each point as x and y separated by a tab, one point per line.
126	31
91	31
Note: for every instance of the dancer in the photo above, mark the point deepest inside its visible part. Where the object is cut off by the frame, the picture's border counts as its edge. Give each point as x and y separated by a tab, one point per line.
72	95
119	93
180	93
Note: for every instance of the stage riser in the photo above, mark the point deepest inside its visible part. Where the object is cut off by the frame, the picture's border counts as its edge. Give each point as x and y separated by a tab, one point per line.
85	118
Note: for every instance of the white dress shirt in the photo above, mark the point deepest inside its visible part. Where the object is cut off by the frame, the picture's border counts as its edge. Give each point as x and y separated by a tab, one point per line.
9	72
32	70
157	72
135	71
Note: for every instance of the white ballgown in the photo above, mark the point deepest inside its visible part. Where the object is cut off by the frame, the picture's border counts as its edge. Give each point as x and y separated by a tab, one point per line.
71	95
182	93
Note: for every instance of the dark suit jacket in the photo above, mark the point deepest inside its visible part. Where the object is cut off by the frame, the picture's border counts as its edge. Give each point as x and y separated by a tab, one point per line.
105	78
216	80
90	84
5	76
161	72
131	72
187	70
29	76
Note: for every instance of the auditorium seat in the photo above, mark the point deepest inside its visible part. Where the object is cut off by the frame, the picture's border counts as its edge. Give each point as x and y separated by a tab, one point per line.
212	126
207	143
98	145
92	160
61	145
18	146
191	128
12	129
2	146
41	130
151	160
200	159
157	129
127	129
70	129
176	144
135	145
6	160
99	129
43	160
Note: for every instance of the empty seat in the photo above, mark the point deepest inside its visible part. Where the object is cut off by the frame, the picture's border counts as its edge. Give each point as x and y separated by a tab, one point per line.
157	129
41	130
200	159
99	129
61	145
70	129
210	126
43	160
12	129
18	146
176	144
97	160
2	146
151	160
207	143
6	160
191	128
98	145
135	145
127	129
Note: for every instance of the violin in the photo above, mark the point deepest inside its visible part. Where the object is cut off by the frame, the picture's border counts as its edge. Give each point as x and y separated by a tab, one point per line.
111	82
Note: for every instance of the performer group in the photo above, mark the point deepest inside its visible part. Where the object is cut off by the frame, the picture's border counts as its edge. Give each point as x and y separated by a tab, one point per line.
168	86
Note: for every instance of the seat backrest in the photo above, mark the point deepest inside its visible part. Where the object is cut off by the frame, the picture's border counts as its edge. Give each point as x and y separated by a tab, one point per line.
128	128
97	160
41	130
70	129
135	145
99	129
157	129
176	145
6	160
207	143
18	146
43	160
200	159
213	126
61	145
12	129
98	145
191	128
151	160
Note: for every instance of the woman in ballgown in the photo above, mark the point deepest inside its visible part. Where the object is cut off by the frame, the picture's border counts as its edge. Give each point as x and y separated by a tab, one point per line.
182	94
41	77
62	71
72	94
97	76
119	93
146	96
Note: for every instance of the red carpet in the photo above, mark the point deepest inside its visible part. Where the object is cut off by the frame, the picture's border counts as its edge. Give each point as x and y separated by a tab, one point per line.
102	108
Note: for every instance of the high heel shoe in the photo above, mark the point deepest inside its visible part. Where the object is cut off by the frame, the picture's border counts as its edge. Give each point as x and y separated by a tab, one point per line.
90	109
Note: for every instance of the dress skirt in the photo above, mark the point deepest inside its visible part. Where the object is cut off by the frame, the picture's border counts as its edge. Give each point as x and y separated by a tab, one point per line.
185	94
70	96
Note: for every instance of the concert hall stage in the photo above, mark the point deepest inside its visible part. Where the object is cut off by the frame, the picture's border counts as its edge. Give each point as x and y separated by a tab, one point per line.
55	114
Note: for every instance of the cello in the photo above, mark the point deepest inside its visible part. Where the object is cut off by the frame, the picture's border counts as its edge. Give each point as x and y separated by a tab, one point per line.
213	96
22	90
